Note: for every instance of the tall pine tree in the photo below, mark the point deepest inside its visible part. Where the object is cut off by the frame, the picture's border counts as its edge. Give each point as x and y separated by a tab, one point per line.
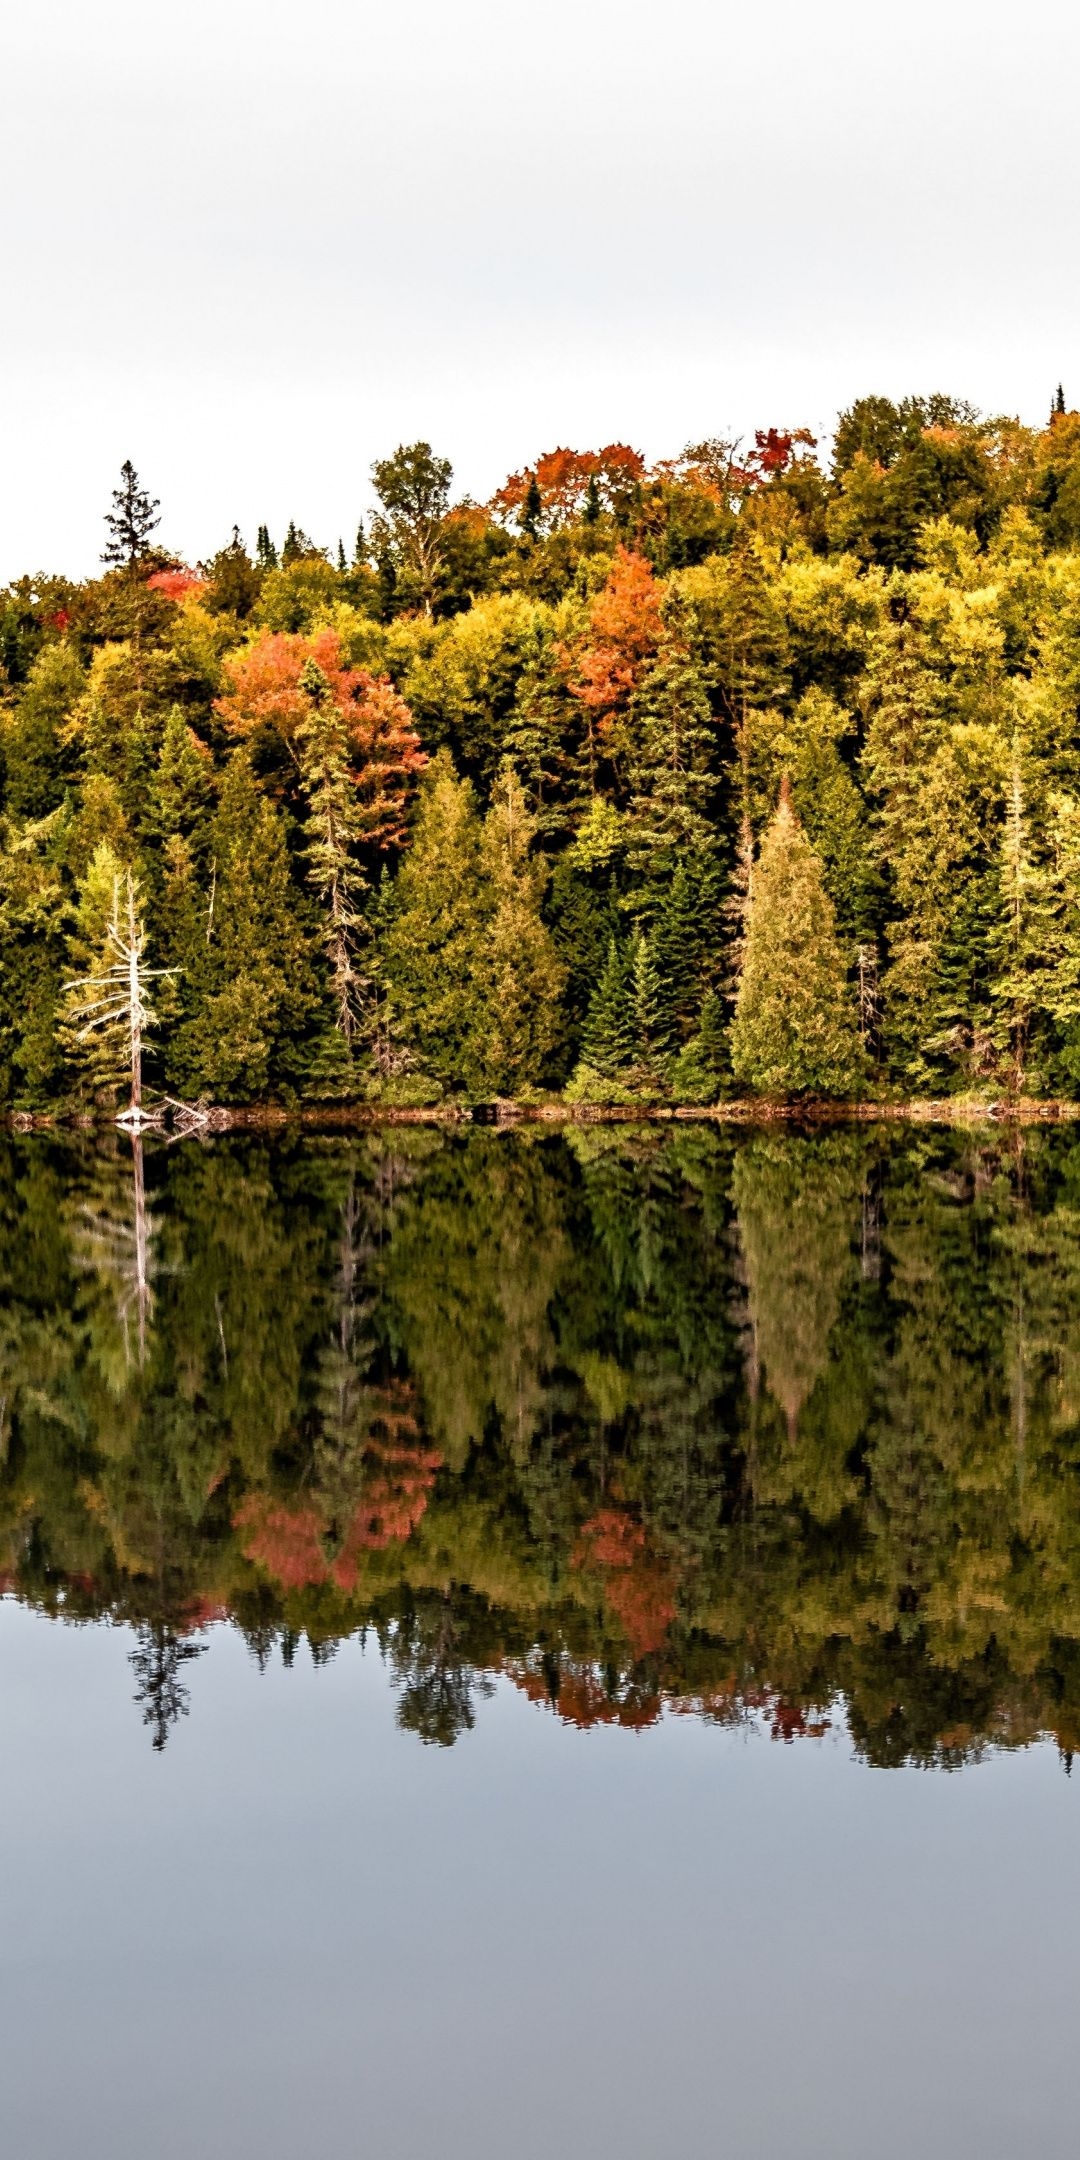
796	1029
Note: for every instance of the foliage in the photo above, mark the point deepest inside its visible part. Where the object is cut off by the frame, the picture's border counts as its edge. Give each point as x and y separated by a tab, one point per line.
637	658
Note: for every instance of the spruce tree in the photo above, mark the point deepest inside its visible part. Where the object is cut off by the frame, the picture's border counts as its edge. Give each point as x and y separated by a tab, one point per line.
330	834
796	1029
178	797
130	522
681	935
432	949
266	554
247	1034
654	1019
672	755
523	977
609	1037
1022	937
532	510
38	755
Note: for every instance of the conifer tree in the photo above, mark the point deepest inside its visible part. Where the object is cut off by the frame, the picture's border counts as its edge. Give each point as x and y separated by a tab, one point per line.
609	1036
654	1020
680	935
1022	936
524	977
330	833
532	509
178	797
131	520
795	1026
248	1031
266	554
672	753
433	947
39	761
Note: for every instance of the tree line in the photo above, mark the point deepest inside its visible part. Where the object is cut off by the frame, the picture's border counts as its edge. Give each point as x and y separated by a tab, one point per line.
637	1419
742	772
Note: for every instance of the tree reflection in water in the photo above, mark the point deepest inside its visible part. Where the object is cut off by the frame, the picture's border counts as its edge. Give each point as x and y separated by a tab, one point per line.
645	1421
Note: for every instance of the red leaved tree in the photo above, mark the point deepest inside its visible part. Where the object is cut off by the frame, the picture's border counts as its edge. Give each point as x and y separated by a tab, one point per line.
264	690
562	479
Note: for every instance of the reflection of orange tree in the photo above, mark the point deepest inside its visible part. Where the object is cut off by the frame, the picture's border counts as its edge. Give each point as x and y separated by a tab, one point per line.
581	1693
322	1538
639	1587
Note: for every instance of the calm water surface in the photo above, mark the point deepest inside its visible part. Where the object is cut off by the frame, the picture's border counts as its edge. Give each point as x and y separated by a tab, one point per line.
536	1645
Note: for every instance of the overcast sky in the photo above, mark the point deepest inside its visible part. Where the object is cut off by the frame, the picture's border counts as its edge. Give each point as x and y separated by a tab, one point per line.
253	244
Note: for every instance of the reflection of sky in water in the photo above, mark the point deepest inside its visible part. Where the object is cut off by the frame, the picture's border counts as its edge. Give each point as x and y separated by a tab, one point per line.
700	1442
299	1930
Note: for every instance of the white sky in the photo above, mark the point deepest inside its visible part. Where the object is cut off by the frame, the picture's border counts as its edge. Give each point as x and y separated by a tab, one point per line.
253	244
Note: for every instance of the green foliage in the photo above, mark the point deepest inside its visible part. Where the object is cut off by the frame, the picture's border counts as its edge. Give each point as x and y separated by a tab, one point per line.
37	758
795	1028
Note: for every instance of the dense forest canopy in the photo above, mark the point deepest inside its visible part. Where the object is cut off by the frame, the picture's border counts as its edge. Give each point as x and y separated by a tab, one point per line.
742	772
779	1426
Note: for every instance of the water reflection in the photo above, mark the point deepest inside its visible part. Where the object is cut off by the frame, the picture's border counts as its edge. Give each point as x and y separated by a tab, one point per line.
644	1421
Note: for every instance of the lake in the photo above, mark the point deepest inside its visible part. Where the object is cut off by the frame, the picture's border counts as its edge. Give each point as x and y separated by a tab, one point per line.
530	1644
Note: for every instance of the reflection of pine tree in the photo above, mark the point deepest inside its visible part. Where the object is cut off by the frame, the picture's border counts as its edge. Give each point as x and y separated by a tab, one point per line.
796	1202
157	1661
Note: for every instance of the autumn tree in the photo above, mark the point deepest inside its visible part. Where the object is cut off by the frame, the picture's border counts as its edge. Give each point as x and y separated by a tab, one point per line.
264	696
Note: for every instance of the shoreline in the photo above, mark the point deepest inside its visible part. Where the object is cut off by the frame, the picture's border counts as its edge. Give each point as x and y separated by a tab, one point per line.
353	1117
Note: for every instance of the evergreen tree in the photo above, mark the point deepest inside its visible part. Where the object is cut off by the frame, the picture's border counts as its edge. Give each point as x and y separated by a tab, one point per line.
35	917
524	978
1021	941
433	948
38	752
682	931
654	1019
266	554
331	830
247	1034
795	1026
532	510
178	798
130	522
609	1037
672	739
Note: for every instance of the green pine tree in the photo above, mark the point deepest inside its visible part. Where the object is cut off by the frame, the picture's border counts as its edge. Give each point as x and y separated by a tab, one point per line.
523	977
38	761
609	1036
796	1030
432	948
178	798
331	830
654	1017
248	1033
672	754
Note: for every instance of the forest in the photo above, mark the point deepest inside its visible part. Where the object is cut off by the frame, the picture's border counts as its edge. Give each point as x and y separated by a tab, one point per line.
749	773
643	1420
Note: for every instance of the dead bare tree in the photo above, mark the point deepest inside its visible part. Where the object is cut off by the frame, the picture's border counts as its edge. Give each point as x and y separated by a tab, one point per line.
114	996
